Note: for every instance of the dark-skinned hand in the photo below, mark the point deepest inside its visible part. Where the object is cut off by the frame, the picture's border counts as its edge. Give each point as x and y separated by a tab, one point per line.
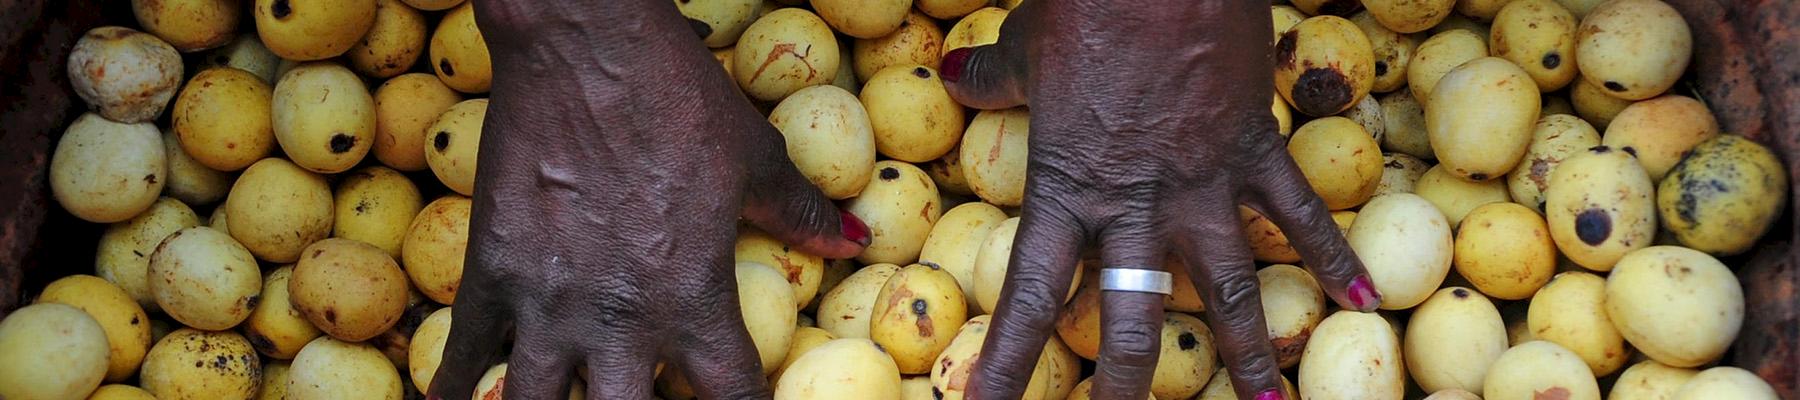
1150	124
616	160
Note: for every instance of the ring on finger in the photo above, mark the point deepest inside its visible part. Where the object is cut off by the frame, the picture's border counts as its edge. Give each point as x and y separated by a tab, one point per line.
1144	280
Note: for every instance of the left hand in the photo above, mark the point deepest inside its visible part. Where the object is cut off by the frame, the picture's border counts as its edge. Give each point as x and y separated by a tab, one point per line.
1150	124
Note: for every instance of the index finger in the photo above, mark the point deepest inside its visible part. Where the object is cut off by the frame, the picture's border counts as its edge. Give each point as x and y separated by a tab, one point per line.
1289	201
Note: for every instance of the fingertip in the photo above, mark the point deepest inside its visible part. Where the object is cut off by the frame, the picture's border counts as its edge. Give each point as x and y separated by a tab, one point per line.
1362	295
854	229
1271	394
953	64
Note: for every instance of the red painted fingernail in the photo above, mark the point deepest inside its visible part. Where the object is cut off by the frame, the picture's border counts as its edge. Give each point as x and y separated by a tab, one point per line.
854	229
953	64
1363	294
1272	394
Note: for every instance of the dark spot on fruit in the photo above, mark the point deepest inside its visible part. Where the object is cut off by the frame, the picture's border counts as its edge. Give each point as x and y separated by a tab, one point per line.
1187	341
342	142
1478	177
1341	8
261	343
921	72
1322	91
441	141
1381	68
1629	150
317	252
221	361
362	206
198	363
1284	49
889	173
937	394
1593	226
134	320
1601	149
138	253
931	265
280	9
444	67
1552	60
919	307
700	27
150	179
250	302
1614	86
1460	293
330	315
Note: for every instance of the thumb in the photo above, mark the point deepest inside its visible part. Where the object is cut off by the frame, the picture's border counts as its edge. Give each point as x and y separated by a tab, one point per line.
987	77
780	200
991	76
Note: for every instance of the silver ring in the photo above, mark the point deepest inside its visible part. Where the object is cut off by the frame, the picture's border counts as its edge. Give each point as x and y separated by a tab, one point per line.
1136	280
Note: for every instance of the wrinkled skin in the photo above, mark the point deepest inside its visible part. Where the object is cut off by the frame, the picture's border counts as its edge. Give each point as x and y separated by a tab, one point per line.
610	183
1150	122
617	155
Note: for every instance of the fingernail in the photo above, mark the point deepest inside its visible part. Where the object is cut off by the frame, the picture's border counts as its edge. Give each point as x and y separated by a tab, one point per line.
953	64
854	229
1272	394
1363	294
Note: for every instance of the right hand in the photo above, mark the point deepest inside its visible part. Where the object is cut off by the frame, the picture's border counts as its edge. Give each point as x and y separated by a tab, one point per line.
1150	124
613	172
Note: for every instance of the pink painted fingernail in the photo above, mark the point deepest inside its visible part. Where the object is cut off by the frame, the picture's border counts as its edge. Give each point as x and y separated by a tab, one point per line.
1363	294
854	229
1272	394
953	64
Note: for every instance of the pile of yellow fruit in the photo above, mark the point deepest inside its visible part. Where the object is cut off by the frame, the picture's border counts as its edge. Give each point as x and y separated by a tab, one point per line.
1540	213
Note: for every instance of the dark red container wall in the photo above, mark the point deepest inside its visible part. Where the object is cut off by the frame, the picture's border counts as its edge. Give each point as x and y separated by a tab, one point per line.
1746	67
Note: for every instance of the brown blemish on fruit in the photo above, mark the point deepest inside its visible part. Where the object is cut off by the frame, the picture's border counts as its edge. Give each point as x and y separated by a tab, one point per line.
1552	60
444	67
1593	226
1478	177
1614	86
890	173
787	48
280	9
440	141
342	142
1187	341
1321	91
150	179
920	310
921	72
1553	393
1284	49
793	271
499	387
1381	67
1540	173
330	315
1289	348
1460	293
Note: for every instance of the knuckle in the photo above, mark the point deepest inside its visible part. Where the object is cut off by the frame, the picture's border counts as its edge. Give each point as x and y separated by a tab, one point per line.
1133	342
1238	293
1034	297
